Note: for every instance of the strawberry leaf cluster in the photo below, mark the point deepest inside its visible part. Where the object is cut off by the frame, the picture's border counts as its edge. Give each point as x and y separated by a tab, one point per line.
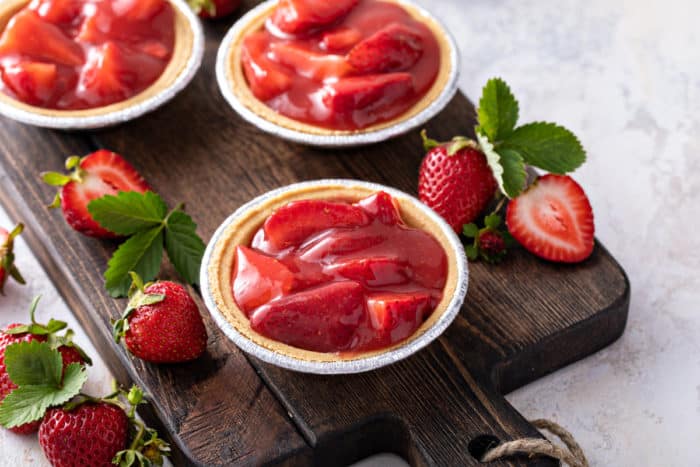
509	148
151	228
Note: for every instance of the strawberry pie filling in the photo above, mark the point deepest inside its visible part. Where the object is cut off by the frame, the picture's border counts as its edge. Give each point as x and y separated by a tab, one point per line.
336	276
341	65
82	54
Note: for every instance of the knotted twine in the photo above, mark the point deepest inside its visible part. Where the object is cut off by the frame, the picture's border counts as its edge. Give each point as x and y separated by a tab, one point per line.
573	454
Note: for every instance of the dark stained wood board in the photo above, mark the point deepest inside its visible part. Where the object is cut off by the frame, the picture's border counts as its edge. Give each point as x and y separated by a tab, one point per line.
522	319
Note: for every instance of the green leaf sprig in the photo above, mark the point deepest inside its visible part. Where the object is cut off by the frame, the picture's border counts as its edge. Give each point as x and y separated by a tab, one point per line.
145	219
37	370
7	259
508	148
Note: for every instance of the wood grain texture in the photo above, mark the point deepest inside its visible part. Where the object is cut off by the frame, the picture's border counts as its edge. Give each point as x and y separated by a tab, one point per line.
522	319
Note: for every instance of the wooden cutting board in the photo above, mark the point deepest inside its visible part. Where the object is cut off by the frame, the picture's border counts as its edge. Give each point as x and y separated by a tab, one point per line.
521	320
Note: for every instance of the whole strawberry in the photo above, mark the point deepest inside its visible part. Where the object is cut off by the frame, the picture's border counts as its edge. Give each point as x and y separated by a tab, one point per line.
7	257
214	8
93	176
91	434
16	333
161	323
455	180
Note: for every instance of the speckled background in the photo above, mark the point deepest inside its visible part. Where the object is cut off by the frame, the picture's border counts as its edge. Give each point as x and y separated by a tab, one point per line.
625	76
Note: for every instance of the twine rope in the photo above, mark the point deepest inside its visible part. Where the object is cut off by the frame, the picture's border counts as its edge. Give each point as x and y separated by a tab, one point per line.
573	454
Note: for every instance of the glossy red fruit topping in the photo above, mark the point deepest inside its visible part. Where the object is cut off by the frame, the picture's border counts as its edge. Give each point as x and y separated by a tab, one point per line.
315	66
33	82
302	16
98	174
396	47
266	78
297	221
321	319
457	182
91	434
315	290
162	324
340	40
263	278
553	219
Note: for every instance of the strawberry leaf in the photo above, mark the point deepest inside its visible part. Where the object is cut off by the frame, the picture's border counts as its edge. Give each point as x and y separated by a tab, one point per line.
507	167
142	253
498	110
548	146
37	369
185	248
128	212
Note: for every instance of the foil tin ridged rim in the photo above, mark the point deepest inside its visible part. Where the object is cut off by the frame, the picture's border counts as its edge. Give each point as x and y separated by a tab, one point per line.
331	141
343	366
133	111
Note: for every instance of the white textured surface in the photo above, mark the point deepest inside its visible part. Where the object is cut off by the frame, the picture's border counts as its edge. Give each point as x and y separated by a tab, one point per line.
625	76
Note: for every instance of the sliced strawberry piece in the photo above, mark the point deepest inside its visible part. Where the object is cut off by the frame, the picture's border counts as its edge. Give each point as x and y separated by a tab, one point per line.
32	82
371	93
27	34
154	49
292	224
137	10
58	11
310	64
258	279
266	78
397	315
302	16
373	272
340	243
322	319
396	47
383	207
553	219
98	174
340	40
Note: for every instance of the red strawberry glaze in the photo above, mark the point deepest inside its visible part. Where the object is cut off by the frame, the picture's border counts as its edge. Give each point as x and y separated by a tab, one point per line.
371	63
82	54
358	280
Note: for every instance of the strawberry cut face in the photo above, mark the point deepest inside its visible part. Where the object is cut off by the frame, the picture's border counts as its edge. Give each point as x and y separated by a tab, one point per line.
553	219
33	82
259	279
396	47
397	316
57	11
265	78
315	66
27	34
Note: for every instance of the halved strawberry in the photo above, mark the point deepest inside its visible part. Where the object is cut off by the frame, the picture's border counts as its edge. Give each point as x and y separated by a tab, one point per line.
373	272
266	78
310	64
396	47
340	40
553	219
58	11
381	206
27	34
98	174
32	82
137	10
322	319
259	278
397	315
302	16
293	223
371	93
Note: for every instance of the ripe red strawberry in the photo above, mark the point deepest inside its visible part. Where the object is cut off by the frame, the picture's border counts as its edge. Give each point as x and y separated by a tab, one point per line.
91	434
98	174
455	180
161	323
302	16
214	8
553	219
7	257
395	47
16	333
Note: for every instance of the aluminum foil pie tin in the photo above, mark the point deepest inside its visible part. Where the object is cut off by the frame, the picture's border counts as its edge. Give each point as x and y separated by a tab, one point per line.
359	365
332	140
121	112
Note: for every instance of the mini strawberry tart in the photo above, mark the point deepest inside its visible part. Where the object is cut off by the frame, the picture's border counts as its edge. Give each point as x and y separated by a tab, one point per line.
341	68
82	58
334	272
